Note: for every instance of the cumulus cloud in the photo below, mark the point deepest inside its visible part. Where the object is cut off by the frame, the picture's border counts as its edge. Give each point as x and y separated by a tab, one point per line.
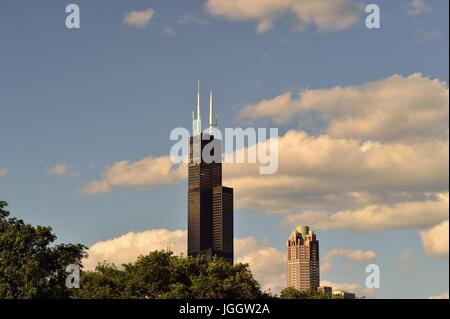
139	19
325	15
266	263
441	296
435	240
370	169
96	187
127	248
417	7
63	169
3	172
351	255
391	109
321	172
147	172
409	215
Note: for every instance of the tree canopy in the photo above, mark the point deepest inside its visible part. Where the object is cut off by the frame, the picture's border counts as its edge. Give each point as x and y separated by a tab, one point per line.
163	275
31	266
293	293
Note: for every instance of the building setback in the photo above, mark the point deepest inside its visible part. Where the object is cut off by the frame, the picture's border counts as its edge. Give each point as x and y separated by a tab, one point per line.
302	252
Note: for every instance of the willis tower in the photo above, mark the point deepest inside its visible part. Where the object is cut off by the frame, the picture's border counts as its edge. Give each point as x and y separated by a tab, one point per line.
210	205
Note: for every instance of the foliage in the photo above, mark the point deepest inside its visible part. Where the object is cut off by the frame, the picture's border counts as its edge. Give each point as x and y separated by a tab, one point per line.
31	266
160	274
293	293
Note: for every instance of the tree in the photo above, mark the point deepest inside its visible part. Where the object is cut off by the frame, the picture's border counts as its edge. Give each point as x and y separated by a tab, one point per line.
293	293
223	280
106	282
31	266
160	274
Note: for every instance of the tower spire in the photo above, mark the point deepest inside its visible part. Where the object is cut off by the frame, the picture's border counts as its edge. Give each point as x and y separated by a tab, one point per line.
193	122
199	118
211	112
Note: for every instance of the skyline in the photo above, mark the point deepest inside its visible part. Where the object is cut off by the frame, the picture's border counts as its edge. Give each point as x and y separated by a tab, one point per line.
86	116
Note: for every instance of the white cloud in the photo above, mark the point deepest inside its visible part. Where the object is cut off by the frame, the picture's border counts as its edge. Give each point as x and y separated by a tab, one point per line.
325	15
127	248
352	255
3	172
147	172
321	173
441	296
417	7
370	169
96	187
139	19
391	109
410	215
435	240
266	263
63	169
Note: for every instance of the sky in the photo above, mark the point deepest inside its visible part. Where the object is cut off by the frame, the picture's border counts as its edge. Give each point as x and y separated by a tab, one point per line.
86	116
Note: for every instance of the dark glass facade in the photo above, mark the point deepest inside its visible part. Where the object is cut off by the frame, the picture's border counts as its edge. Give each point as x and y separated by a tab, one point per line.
210	205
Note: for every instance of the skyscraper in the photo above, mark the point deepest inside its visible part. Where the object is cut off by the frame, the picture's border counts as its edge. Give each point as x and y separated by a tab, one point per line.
302	252
210	205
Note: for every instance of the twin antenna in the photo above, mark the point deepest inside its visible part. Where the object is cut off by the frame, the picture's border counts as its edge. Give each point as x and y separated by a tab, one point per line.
197	124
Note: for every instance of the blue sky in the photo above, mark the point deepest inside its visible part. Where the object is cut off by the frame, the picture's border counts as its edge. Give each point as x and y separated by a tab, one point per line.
108	91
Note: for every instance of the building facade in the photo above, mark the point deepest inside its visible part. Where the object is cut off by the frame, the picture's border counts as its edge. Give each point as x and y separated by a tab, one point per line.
302	253
210	204
340	294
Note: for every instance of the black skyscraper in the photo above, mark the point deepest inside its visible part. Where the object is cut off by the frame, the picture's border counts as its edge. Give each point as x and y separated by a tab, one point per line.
210	205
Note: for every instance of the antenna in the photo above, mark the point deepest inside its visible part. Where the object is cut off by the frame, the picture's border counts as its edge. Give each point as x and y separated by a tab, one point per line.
199	118
193	122
211	112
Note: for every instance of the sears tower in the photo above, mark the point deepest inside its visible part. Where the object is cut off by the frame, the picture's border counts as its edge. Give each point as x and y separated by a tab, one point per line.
210	205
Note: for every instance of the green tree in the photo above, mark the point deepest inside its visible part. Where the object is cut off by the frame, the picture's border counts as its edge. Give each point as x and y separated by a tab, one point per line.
160	274
224	280
293	293
106	282
31	266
